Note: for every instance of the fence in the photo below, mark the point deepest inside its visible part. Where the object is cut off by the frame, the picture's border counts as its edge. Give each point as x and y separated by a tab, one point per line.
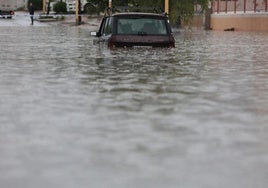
239	6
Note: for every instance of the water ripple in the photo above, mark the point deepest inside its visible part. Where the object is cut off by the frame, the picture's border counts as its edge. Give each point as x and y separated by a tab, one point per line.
73	113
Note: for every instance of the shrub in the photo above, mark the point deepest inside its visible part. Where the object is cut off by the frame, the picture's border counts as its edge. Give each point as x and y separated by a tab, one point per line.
60	7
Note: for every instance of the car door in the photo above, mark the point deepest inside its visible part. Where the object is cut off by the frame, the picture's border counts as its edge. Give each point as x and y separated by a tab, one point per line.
105	30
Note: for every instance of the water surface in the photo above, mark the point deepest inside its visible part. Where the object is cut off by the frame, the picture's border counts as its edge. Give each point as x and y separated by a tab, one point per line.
74	114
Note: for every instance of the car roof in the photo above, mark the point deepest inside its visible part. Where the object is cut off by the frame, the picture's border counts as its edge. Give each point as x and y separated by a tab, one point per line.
139	14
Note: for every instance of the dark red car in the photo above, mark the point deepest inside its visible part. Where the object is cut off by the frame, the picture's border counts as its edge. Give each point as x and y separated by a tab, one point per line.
135	29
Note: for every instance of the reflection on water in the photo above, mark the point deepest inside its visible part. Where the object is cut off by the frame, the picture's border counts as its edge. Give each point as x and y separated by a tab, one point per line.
74	114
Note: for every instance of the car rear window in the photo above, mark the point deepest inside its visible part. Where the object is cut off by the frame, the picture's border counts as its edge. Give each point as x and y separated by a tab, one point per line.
141	26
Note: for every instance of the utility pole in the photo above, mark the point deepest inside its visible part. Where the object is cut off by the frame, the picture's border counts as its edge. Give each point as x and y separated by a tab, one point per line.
77	12
44	6
167	6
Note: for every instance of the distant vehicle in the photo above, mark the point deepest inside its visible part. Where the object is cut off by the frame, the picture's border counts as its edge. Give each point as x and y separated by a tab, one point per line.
135	29
7	8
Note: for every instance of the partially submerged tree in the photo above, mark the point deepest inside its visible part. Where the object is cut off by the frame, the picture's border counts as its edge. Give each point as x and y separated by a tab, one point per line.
48	6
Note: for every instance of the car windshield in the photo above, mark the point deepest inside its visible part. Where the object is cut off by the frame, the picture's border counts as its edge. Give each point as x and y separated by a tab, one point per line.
141	26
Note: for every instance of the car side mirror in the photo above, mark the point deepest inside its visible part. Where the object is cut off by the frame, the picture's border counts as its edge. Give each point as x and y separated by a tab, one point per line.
93	33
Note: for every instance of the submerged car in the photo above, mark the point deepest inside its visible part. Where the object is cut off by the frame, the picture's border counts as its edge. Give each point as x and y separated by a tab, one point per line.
135	29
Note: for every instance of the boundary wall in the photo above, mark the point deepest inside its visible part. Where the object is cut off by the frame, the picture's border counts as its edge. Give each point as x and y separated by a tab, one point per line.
239	22
240	15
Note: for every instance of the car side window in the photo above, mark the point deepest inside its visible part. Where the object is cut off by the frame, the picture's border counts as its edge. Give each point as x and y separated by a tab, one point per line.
100	32
107	29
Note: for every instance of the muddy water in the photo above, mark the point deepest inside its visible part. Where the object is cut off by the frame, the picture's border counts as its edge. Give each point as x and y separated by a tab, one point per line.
75	114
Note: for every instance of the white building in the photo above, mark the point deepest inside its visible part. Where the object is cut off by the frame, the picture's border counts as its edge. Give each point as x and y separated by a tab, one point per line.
13	4
71	5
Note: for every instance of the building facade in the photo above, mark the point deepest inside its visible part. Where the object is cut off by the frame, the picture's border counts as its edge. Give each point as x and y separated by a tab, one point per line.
12	4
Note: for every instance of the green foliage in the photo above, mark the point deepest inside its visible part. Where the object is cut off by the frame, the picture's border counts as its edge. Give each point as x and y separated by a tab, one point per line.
203	3
180	10
120	3
38	4
148	3
60	7
96	6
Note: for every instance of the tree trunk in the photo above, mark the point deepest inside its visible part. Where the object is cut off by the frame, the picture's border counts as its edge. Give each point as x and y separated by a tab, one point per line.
48	7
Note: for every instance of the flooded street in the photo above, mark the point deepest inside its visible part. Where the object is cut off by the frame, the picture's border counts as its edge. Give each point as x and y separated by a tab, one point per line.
76	115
